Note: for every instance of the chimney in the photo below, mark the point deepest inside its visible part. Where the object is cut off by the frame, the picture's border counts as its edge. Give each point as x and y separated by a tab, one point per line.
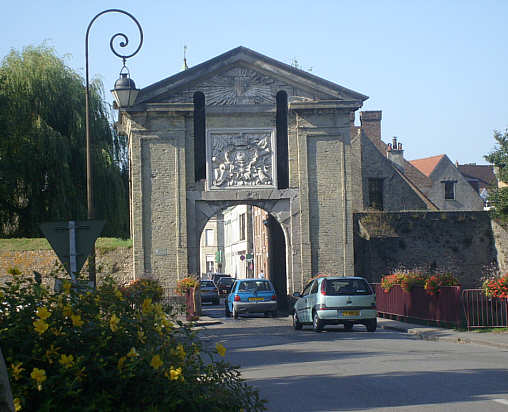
395	153
370	122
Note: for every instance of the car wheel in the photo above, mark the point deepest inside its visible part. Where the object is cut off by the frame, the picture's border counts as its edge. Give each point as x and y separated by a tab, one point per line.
317	324
348	325
296	323
235	313
274	314
371	325
227	311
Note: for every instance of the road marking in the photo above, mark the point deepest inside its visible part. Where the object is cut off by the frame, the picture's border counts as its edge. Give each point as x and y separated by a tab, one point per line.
501	401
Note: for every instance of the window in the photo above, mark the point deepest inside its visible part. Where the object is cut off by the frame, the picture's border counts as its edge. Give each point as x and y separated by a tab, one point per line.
449	189
376	193
306	291
242	226
314	287
209	238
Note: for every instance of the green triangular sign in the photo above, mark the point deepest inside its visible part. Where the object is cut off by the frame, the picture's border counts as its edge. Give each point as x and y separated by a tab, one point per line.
72	236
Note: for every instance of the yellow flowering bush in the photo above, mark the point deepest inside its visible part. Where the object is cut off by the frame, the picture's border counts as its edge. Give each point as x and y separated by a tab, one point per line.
108	351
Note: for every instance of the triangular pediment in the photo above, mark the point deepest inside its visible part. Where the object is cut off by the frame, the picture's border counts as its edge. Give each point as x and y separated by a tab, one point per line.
242	76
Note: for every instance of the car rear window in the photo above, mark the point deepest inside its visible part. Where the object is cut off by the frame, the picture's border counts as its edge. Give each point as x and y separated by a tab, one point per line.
227	281
207	284
341	287
258	285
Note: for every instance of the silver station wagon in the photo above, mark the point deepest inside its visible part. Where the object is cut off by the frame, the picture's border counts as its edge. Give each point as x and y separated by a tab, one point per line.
336	300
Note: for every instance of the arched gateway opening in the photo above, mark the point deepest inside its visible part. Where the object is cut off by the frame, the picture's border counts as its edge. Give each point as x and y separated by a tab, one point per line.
245	241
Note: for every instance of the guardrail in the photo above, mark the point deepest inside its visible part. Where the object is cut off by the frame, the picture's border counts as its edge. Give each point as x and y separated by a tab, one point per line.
482	311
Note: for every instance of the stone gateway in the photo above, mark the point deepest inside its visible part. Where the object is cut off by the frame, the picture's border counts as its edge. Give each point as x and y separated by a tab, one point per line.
242	128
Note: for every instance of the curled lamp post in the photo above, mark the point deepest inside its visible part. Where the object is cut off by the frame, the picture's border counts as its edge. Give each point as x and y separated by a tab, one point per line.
125	94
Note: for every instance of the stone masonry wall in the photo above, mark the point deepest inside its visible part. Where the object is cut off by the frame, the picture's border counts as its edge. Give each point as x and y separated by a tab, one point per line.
459	242
117	262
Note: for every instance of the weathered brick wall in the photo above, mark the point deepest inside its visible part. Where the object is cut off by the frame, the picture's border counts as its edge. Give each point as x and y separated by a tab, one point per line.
459	242
501	241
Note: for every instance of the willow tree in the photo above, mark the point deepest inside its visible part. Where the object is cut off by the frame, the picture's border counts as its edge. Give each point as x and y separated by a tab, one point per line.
43	151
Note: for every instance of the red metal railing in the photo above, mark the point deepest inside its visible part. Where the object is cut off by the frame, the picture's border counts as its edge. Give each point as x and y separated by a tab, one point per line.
481	311
444	307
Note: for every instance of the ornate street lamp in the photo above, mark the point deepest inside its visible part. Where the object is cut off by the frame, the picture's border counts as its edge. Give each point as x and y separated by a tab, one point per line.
125	94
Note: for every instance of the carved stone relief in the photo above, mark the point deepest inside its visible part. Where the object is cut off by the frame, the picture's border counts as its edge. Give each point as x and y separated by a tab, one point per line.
239	85
241	158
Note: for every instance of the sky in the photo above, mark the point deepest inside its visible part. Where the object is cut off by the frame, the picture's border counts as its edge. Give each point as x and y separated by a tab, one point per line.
436	69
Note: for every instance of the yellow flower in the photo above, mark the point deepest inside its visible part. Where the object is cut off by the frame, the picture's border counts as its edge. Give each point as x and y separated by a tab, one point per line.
118	294
221	350
167	323
76	320
67	286
132	353
113	323
147	306
67	361
16	370
156	362
141	336
121	361
40	326
52	351
17	404
67	310
180	351
158	328
43	313
39	376
57	332
174	374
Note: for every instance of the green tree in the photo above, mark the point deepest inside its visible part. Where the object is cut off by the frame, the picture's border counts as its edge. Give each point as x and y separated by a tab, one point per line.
43	150
499	158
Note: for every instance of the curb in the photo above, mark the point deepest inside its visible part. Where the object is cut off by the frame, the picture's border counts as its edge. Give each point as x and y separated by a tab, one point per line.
430	336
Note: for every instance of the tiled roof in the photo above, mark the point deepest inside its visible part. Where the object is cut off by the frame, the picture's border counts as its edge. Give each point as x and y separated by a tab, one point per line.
427	164
483	173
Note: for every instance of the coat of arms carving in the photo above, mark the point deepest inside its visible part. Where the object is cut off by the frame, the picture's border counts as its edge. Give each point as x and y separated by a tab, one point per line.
241	158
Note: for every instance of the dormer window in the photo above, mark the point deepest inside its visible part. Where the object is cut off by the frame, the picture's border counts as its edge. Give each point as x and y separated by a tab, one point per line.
449	189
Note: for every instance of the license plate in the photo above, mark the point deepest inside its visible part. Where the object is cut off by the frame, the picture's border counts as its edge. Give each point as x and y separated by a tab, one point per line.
351	313
255	299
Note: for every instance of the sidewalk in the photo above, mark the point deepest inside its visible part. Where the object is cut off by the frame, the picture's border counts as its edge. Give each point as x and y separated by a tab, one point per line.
498	340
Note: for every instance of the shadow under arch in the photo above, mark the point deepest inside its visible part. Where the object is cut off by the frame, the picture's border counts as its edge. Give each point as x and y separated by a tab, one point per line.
279	241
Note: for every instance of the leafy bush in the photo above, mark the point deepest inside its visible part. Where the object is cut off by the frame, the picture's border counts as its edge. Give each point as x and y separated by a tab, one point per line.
138	290
410	279
100	351
185	284
496	287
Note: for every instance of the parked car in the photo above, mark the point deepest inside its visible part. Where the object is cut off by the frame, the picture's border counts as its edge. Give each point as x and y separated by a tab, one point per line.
216	276
224	285
209	292
336	300
251	296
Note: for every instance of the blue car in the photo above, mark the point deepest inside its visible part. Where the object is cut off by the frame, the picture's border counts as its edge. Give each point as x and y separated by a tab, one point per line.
251	296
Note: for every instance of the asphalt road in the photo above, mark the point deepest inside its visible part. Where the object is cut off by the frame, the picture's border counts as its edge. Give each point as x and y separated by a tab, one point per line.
337	370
